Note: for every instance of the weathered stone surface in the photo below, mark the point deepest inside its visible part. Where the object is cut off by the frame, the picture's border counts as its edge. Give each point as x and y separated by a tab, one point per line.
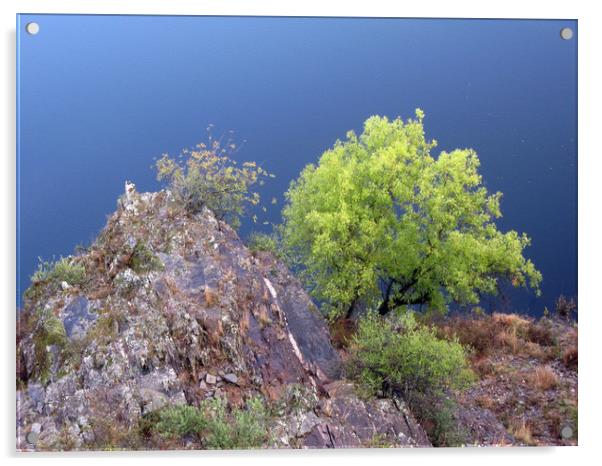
136	342
77	317
482	426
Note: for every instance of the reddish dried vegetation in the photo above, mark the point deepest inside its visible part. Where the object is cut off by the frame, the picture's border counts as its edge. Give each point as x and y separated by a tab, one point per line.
528	372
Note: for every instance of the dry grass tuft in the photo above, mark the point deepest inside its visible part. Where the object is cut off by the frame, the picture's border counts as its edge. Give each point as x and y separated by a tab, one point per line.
544	378
508	339
485	401
510	332
210	297
535	351
342	331
522	432
570	357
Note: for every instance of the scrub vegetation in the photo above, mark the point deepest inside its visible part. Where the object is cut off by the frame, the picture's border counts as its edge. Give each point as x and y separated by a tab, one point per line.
207	176
211	424
398	356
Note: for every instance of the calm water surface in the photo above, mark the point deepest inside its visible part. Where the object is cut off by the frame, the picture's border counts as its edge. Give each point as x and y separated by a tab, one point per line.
100	96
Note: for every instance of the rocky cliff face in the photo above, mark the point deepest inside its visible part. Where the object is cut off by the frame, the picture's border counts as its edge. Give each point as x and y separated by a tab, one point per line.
174	310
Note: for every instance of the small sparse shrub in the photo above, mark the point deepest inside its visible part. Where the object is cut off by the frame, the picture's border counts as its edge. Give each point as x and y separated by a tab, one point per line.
483	334
541	332
508	339
247	429
438	417
180	421
535	351
50	274
570	357
342	332
143	260
212	424
478	333
483	366
58	271
379	441
522	432
260	242
50	332
207	177
565	308
485	401
251	425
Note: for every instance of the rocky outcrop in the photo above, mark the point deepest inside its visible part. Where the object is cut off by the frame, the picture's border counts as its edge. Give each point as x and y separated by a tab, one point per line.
176	310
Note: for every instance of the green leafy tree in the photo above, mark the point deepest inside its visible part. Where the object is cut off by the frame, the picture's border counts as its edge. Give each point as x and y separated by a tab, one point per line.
208	177
381	221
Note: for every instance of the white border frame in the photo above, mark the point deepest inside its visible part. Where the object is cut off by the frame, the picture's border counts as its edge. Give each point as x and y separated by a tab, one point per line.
590	194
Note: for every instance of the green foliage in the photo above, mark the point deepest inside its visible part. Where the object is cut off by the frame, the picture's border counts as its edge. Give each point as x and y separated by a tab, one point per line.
212	423
208	177
49	332
247	429
398	355
381	220
180	421
258	242
50	274
143	260
438	416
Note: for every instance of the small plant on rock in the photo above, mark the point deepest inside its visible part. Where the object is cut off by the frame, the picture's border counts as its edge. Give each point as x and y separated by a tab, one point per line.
180	421
50	274
263	242
206	176
143	260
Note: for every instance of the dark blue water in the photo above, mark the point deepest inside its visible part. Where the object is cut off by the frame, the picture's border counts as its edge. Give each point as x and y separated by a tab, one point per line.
100	96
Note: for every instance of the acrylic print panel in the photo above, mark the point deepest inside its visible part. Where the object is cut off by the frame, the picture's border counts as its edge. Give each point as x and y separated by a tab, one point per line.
257	232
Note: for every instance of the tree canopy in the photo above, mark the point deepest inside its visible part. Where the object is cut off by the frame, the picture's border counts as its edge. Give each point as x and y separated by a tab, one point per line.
380	221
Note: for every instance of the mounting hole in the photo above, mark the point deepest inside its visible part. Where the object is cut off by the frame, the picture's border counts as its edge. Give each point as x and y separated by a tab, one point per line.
32	28
566	33
566	432
32	437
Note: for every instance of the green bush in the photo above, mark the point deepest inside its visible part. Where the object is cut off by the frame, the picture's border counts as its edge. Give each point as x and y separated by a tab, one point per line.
207	177
211	423
143	260
49	275
396	356
247	429
180	421
404	357
49	331
58	271
258	242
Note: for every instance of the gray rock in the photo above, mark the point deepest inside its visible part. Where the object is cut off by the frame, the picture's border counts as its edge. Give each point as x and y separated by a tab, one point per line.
181	334
77	317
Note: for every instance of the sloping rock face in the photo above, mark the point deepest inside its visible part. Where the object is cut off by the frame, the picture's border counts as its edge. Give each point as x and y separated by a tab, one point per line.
176	310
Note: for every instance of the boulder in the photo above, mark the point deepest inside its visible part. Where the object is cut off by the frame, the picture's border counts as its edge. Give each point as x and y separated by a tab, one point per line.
199	303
